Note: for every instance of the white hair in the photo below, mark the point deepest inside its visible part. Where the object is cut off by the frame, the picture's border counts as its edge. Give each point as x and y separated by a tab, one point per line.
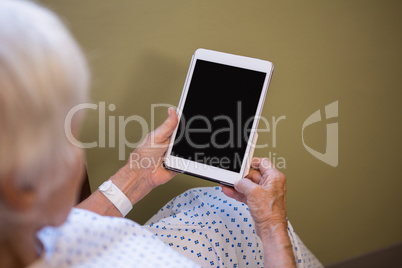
43	74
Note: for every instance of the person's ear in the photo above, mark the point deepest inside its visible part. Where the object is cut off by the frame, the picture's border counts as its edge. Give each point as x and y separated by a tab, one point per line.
16	197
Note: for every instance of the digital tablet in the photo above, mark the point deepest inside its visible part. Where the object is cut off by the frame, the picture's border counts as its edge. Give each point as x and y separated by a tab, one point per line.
219	109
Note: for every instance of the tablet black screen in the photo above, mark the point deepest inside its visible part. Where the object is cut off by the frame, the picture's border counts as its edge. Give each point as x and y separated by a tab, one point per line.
217	116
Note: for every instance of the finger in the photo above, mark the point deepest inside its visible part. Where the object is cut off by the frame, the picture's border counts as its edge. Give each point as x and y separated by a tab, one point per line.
228	191
232	193
172	173
254	175
164	131
245	186
255	162
264	165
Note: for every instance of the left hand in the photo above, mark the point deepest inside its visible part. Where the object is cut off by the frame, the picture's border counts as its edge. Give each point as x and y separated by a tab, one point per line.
264	191
147	158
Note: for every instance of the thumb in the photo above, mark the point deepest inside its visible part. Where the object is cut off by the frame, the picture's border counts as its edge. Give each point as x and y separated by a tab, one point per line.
164	131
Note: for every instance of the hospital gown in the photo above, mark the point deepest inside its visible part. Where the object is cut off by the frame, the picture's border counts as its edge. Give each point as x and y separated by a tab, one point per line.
201	227
214	230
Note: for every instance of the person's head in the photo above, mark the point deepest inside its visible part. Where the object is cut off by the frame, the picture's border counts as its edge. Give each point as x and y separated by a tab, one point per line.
43	74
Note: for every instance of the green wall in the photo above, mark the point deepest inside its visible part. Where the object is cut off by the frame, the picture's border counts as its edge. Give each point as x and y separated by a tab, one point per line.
323	51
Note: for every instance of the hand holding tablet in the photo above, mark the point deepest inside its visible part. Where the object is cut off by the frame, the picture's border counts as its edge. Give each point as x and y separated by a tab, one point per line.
219	110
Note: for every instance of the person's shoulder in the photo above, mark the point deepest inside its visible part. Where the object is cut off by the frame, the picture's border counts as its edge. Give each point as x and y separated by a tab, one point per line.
87	239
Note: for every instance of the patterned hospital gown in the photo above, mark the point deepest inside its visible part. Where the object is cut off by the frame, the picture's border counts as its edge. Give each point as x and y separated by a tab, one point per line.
199	227
214	230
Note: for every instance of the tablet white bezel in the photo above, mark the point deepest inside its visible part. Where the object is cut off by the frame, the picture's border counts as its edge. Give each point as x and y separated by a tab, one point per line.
206	171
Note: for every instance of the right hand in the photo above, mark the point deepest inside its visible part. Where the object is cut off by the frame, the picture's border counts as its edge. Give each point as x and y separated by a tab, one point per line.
263	190
152	150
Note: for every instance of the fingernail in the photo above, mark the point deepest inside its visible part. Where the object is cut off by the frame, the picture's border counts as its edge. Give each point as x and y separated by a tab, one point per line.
170	111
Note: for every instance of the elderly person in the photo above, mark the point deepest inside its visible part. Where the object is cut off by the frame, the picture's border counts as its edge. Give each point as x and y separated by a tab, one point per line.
43	74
